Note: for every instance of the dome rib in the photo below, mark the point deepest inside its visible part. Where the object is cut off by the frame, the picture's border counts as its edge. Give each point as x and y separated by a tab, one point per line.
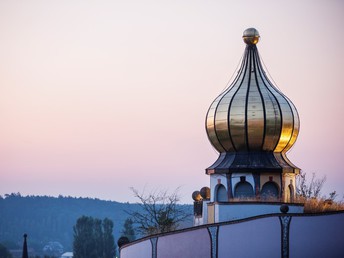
262	77
237	84
286	120
293	111
235	120
262	101
246	102
212	132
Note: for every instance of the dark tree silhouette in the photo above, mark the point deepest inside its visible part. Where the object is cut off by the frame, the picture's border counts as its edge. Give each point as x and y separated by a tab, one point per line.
109	241
128	230
4	253
84	245
93	238
98	237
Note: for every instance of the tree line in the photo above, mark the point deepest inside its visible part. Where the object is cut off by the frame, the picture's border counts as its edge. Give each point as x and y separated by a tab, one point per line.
47	218
93	238
56	219
159	213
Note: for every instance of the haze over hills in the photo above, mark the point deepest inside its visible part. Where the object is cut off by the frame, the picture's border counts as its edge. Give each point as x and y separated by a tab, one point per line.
47	219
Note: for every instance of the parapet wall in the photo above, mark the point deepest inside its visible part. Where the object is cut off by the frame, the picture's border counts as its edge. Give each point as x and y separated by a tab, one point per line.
228	211
274	235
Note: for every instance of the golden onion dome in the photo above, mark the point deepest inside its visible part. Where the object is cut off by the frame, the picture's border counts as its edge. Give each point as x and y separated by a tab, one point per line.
252	124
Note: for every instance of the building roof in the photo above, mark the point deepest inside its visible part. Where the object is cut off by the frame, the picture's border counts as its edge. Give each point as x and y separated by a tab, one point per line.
252	124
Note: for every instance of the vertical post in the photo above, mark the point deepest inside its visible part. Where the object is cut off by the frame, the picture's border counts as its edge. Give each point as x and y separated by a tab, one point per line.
213	231
285	223
154	241
256	179
229	186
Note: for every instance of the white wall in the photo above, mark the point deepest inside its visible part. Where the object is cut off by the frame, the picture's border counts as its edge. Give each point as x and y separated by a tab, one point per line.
214	179
141	249
234	211
236	179
188	244
316	236
255	238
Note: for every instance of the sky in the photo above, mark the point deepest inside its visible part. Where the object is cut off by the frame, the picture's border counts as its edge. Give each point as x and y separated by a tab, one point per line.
100	96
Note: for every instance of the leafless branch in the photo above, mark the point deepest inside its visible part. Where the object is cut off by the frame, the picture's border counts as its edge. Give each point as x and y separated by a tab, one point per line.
309	190
160	212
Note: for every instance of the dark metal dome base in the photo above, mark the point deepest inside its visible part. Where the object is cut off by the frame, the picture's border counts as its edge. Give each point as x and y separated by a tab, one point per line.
248	162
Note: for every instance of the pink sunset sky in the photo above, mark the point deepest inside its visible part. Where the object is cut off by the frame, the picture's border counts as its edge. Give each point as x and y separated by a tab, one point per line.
99	96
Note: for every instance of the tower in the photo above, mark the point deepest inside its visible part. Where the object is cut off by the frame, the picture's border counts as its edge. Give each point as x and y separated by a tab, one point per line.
252	125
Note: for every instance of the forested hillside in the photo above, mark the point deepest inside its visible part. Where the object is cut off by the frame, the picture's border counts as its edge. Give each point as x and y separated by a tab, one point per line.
47	219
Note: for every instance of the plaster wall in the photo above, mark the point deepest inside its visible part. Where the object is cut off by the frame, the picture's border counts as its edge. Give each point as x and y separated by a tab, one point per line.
198	221
317	236
236	179
141	249
289	178
256	238
287	235
172	246
211	213
264	178
214	181
234	211
205	212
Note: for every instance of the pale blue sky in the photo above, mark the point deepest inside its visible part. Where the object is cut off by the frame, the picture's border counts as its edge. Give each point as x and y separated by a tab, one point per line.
99	96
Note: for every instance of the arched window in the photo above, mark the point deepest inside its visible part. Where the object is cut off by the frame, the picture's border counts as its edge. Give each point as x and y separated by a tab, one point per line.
243	190
269	190
221	194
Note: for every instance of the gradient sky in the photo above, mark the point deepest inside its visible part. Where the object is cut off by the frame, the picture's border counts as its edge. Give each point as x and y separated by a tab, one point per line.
99	96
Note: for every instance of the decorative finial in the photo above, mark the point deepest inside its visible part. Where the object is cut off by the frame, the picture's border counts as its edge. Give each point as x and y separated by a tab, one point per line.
251	36
123	240
196	196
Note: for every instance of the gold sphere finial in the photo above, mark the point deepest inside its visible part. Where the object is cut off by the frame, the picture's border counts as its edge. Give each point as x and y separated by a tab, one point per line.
251	36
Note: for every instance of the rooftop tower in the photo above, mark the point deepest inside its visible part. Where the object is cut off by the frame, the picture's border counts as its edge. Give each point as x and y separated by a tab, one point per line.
252	125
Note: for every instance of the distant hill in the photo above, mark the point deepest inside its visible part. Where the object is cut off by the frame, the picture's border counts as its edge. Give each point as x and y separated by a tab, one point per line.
46	219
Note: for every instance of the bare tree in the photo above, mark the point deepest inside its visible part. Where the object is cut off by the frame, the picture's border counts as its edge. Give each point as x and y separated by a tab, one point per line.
160	212
310	189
